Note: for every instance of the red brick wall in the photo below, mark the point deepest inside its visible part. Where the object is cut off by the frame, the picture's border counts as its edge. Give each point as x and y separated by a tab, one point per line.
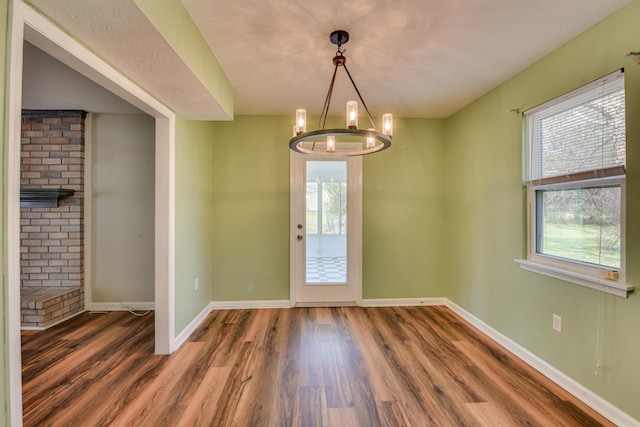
52	239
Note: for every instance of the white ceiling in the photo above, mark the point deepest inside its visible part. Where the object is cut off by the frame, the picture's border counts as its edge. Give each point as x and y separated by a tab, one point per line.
414	58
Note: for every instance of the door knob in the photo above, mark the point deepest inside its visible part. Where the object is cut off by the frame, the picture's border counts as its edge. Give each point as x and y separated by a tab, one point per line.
299	237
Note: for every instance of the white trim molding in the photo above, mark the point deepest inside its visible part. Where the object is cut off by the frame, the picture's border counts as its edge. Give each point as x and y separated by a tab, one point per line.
246	305
606	409
403	302
121	306
165	234
603	285
191	327
13	115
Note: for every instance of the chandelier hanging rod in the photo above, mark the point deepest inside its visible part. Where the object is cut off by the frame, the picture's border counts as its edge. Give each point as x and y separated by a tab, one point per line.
339	38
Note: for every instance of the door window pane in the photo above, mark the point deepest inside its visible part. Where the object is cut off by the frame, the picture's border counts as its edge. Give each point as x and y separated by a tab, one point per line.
326	221
334	208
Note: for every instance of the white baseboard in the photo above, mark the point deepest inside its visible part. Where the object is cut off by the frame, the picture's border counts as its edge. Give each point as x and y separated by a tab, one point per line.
232	305
400	302
191	327
594	401
388	302
121	306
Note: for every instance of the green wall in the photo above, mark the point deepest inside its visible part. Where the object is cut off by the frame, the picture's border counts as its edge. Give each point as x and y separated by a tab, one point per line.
403	213
4	355
194	210
251	208
486	220
403	205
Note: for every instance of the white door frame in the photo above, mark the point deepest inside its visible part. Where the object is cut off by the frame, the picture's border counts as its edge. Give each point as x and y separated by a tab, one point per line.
354	207
27	24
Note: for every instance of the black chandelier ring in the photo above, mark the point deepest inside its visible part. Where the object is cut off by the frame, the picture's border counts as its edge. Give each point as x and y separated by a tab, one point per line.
295	143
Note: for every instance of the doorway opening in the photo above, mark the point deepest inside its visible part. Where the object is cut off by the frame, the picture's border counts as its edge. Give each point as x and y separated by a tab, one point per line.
26	24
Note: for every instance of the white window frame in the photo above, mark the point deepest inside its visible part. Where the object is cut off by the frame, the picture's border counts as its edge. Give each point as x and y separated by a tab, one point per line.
574	271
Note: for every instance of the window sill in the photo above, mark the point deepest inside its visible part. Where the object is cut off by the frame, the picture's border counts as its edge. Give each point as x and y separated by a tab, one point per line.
603	285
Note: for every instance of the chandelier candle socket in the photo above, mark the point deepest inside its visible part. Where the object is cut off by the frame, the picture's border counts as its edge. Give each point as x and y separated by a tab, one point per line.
357	141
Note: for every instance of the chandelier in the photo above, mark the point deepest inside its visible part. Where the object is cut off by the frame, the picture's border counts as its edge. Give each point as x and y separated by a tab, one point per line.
357	142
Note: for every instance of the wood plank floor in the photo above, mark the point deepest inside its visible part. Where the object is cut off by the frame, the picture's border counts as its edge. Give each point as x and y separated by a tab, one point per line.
348	366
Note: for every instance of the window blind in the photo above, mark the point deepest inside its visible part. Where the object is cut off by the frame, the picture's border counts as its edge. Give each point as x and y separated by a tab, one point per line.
580	135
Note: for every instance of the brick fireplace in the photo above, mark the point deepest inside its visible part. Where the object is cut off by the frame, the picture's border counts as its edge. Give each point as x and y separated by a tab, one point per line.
52	238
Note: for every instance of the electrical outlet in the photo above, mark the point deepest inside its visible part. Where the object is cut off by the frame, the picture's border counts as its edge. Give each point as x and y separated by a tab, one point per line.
197	283
557	323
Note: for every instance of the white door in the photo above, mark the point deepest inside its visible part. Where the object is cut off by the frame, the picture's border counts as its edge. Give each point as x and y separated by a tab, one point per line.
326	230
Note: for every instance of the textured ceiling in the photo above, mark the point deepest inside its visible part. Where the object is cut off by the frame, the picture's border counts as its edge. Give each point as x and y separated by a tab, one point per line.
414	58
118	32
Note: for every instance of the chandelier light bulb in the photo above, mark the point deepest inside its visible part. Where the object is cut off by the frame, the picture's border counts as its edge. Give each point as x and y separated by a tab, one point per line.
352	115
331	144
387	124
371	141
301	121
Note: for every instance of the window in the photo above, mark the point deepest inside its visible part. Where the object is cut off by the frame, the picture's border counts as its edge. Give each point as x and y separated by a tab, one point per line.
576	153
